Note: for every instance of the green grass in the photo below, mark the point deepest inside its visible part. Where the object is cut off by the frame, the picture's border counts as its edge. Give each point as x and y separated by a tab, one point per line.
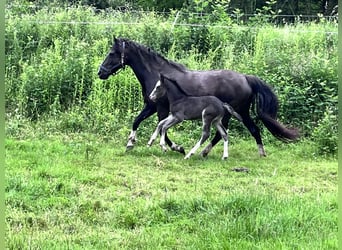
79	191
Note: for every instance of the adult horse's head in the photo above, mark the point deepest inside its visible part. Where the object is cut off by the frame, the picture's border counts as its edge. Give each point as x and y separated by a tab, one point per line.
115	59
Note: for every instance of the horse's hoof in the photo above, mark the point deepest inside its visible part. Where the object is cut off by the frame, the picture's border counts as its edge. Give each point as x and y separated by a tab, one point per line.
181	150
178	149
129	147
262	152
224	158
204	154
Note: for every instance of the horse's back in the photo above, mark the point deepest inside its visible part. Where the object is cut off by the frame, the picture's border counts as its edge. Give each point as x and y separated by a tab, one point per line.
227	85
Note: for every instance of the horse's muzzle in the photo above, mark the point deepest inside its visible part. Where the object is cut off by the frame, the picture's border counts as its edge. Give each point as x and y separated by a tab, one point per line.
152	98
103	73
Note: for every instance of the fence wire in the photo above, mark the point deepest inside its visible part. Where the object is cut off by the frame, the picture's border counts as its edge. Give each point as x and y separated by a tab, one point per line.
171	24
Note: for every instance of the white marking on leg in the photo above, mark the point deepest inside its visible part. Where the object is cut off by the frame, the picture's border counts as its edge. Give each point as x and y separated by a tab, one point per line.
162	141
154	136
261	150
131	139
224	136
225	150
204	137
193	150
174	146
132	135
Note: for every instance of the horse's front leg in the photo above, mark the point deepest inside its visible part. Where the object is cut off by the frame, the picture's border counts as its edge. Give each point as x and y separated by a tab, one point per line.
153	136
163	113
168	122
156	132
204	137
149	109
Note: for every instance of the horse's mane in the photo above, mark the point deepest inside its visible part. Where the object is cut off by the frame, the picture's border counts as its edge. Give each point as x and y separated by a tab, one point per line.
156	56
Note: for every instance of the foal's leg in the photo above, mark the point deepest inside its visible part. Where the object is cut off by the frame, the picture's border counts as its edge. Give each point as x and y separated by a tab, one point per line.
170	121
204	137
162	113
156	132
148	110
217	136
224	136
162	127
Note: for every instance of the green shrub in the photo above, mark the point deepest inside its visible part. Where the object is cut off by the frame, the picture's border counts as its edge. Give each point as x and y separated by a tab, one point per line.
325	134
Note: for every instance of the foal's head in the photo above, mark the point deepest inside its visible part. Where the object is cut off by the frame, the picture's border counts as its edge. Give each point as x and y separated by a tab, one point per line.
159	90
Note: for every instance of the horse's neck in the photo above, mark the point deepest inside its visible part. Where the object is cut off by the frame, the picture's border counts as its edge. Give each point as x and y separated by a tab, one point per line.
147	67
145	75
174	93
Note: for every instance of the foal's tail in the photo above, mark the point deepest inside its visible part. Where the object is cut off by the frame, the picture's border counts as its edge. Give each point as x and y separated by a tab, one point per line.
267	108
232	111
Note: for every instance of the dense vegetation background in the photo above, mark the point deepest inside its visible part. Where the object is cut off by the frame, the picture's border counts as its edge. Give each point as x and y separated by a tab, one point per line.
53	51
248	7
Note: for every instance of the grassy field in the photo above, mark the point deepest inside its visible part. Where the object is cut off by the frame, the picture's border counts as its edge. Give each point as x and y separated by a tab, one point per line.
82	191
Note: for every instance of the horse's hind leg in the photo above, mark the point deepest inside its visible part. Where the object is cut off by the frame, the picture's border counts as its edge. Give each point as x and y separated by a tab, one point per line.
216	138
224	136
204	137
255	131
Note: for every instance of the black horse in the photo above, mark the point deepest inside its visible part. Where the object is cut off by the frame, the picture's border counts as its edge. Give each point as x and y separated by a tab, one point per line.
239	90
187	107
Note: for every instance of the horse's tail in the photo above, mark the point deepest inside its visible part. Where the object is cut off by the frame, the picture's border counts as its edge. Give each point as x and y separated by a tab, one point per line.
232	111
267	108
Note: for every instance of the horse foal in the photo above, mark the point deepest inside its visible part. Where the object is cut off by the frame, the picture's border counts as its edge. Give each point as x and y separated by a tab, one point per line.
186	107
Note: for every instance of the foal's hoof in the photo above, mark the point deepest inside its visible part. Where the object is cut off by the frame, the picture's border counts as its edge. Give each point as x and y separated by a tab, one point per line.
178	149
181	150
204	154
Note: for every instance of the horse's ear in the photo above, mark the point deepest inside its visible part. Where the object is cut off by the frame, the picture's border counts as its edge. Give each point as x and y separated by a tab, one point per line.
115	39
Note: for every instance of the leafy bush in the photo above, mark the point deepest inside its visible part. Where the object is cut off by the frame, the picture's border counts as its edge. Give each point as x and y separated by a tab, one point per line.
325	134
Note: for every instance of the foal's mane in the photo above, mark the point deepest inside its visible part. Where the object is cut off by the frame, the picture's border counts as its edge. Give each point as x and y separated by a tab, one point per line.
174	82
150	53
